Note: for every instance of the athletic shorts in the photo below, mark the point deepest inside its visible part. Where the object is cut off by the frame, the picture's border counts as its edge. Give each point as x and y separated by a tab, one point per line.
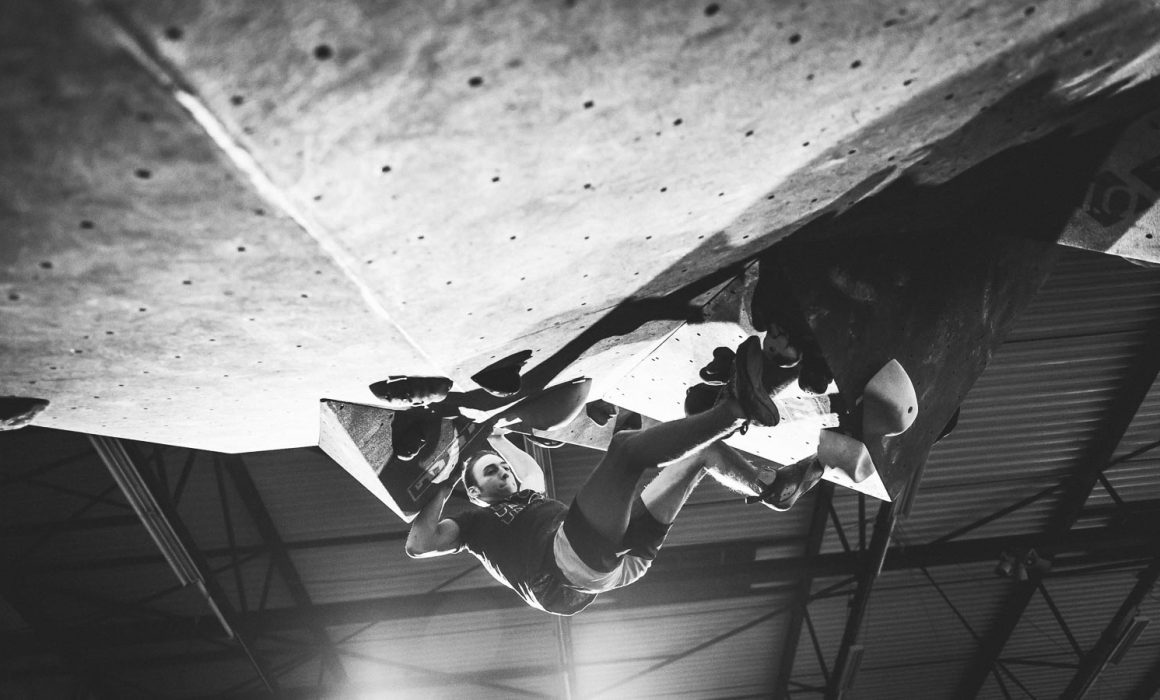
593	563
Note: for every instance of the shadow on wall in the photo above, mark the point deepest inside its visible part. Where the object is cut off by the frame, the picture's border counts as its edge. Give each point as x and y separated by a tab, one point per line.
980	113
1030	189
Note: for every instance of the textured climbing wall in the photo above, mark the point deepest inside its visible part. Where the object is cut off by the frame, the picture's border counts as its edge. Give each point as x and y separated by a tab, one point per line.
148	293
460	181
588	151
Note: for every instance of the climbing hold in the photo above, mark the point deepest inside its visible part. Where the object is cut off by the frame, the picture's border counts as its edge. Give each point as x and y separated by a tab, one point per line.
18	411
502	377
402	392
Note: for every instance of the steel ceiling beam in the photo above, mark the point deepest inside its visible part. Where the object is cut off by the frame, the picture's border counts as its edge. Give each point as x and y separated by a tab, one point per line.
156	510
1096	457
871	566
1096	659
682	574
256	507
241	550
823	502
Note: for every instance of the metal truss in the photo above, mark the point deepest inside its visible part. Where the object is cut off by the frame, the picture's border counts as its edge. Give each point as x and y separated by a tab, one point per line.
158	512
1095	459
823	507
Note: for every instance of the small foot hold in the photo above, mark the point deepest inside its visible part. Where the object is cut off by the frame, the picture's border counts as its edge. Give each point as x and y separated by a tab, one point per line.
790	484
502	377
700	398
546	443
600	411
401	392
720	368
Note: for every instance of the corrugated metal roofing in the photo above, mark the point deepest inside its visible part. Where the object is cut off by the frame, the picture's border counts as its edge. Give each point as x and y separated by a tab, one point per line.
1034	409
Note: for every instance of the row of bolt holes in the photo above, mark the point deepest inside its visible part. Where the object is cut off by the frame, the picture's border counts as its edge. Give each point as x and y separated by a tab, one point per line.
324	52
86	224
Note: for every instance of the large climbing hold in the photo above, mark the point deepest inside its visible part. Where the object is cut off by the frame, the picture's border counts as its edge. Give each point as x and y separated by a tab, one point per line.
400	393
18	411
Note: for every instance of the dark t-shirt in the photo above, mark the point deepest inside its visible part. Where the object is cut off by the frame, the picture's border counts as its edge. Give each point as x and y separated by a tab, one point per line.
513	540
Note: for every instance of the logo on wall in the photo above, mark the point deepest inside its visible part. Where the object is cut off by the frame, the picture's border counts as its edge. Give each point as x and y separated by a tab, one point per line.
1111	200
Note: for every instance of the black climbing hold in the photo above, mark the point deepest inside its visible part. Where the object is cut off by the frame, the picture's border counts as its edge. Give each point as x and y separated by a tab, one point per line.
600	411
323	52
712	9
546	443
720	368
700	398
475	81
18	411
402	392
502	377
173	33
